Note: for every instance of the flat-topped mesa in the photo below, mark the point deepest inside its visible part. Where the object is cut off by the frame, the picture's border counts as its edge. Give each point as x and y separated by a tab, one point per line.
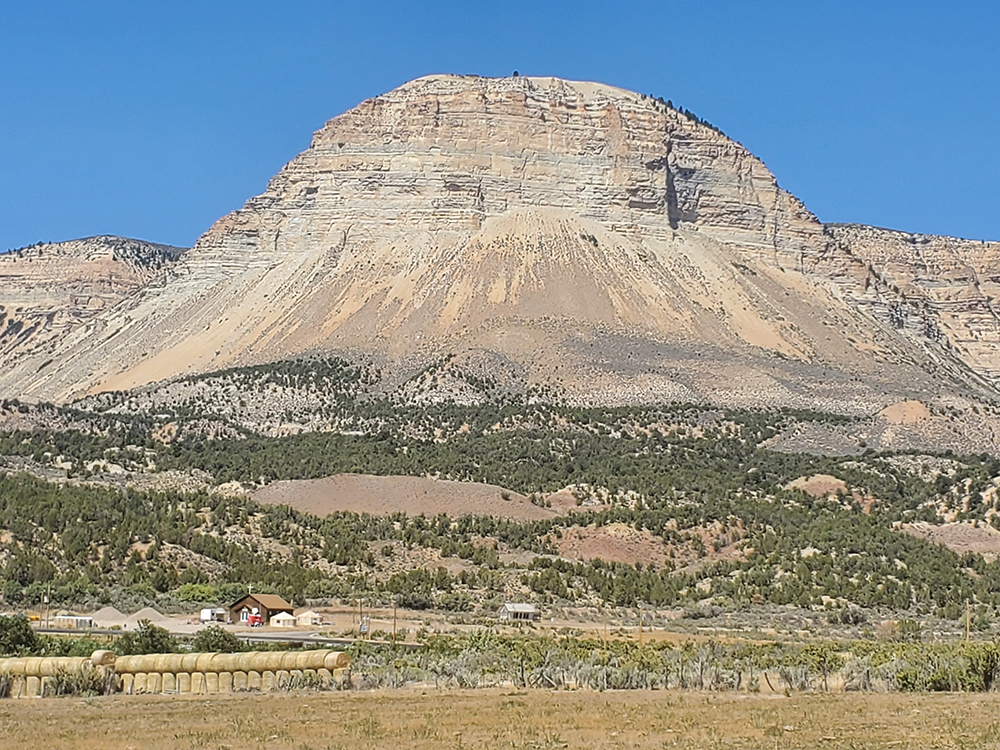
586	234
446	152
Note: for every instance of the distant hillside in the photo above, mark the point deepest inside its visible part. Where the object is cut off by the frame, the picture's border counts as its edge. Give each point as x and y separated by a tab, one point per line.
542	233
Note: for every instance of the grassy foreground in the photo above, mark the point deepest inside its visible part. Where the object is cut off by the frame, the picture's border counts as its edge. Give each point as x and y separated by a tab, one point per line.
505	719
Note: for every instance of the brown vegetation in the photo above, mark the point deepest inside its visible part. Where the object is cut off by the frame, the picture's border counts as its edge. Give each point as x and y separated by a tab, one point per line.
499	718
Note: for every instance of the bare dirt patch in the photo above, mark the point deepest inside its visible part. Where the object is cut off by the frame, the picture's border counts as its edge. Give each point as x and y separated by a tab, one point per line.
616	542
959	537
362	493
819	485
905	412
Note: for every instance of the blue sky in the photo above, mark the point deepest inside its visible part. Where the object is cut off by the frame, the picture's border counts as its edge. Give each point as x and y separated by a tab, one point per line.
152	120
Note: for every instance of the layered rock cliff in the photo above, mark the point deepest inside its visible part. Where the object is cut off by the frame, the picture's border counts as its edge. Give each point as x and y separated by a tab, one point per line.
50	290
608	243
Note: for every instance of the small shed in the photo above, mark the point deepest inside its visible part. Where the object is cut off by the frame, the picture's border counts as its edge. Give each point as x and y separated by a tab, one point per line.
72	622
282	620
266	605
308	619
520	612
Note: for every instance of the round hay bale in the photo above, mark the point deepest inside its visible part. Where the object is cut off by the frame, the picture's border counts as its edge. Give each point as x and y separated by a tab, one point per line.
169	682
244	661
225	682
139	683
183	682
33	666
198	683
164	663
211	682
336	660
204	662
103	658
309	659
226	662
253	680
268	661
189	662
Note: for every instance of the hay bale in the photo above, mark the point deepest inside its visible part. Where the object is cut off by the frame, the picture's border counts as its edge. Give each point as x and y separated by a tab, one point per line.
211	682
33	666
139	683
32	686
154	682
267	661
309	659
103	658
169	684
245	661
336	660
183	682
267	681
164	663
226	662
225	682
239	680
253	680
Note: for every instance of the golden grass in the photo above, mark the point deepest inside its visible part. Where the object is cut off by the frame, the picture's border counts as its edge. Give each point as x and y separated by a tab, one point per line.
504	719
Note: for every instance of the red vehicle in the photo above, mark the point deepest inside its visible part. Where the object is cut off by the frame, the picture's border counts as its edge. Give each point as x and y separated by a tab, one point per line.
254	620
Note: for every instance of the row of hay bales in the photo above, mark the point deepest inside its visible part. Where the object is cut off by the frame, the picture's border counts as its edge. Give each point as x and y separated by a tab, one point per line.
201	673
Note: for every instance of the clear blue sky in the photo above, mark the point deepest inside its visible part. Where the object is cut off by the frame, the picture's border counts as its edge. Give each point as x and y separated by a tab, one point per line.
151	120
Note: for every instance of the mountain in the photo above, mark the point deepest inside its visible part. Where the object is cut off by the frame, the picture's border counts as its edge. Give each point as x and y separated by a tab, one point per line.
53	290
590	239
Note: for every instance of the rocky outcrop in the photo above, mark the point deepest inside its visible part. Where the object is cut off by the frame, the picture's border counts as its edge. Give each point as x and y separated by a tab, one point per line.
938	291
51	290
597	238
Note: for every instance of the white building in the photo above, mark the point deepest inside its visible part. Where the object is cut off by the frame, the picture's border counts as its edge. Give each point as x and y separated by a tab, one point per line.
515	611
282	620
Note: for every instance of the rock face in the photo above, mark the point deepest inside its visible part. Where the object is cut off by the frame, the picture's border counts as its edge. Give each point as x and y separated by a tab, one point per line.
936	290
50	291
612	246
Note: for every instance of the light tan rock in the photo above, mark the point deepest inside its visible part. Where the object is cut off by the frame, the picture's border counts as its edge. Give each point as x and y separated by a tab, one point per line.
594	236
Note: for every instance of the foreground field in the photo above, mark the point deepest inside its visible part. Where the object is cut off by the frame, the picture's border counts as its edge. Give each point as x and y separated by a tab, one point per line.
505	719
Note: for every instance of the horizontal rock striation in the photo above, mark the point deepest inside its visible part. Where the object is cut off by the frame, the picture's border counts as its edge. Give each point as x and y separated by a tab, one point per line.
597	238
50	290
939	291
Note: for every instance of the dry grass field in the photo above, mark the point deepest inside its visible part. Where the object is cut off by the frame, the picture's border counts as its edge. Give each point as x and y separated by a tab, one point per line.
504	719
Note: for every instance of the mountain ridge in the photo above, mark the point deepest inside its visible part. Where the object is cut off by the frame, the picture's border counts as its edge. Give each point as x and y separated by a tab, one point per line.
606	241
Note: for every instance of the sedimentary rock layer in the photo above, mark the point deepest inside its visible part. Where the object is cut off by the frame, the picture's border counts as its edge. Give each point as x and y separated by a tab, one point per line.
603	240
